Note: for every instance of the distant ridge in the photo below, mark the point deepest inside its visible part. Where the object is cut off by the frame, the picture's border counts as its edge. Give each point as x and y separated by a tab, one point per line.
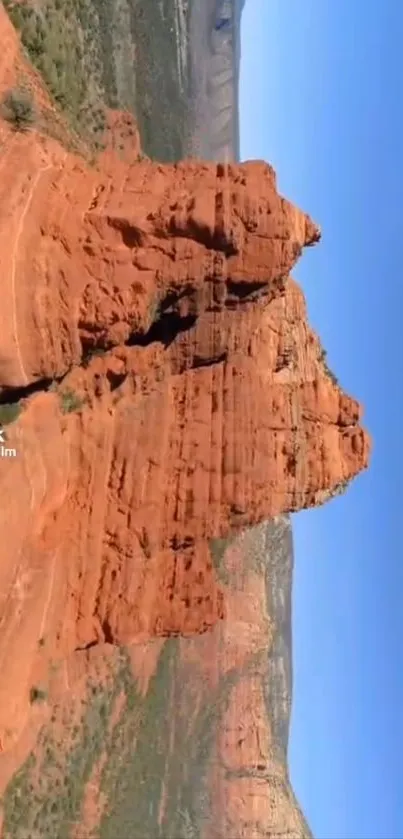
214	66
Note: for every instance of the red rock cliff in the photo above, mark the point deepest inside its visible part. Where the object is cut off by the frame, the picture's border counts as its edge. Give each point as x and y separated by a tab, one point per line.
171	392
209	410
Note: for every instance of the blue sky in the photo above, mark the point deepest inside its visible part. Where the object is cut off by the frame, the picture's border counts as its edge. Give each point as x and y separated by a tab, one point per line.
321	98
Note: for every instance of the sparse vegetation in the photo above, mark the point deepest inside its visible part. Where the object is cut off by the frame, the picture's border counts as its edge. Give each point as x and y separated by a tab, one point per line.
84	52
9	412
217	553
70	401
327	370
18	108
135	772
37	694
45	797
161	106
53	40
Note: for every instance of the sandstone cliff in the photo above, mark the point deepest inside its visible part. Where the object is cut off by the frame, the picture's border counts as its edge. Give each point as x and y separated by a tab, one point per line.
166	392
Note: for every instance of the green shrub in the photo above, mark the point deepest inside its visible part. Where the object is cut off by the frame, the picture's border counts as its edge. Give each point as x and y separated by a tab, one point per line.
327	370
70	401
9	412
18	108
37	695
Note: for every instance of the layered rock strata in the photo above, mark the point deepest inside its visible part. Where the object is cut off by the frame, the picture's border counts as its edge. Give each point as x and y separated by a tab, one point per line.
182	397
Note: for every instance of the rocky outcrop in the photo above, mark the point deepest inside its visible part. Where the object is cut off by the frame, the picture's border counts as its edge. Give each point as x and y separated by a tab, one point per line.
166	393
102	260
205	409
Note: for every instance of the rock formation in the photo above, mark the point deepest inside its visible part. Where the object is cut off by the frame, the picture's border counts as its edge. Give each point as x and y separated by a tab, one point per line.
205	407
169	393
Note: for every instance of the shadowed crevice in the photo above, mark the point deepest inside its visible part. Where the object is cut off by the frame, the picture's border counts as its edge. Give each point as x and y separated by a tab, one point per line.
243	290
164	330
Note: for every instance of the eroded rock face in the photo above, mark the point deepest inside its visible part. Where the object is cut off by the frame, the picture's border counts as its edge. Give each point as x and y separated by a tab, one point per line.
102	259
208	410
172	395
